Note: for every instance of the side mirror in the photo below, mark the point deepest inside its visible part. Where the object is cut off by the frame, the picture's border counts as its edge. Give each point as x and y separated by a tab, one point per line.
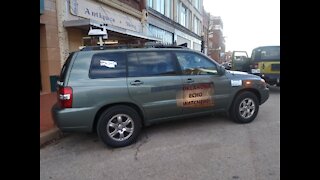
221	70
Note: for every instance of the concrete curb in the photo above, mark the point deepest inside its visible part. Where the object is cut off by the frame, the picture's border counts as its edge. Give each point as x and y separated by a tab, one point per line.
49	135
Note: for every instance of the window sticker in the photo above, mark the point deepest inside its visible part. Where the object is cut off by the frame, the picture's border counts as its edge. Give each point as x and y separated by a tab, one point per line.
60	83
108	64
196	95
236	82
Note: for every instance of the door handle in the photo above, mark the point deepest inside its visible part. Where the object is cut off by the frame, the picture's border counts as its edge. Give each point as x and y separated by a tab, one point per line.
189	80
136	83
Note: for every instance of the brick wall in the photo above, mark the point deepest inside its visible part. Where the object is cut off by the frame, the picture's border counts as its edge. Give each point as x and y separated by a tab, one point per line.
50	64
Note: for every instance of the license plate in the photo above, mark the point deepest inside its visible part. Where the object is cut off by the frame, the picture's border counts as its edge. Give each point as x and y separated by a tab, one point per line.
255	70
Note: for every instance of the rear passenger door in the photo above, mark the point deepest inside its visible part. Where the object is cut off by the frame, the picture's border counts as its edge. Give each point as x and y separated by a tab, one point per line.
153	83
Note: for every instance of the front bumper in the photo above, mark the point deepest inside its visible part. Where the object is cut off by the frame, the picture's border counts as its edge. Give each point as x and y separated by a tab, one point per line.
264	95
271	78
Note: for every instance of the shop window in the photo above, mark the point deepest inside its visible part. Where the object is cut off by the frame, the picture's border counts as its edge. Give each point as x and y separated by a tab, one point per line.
197	4
168	6
183	15
160	6
150	3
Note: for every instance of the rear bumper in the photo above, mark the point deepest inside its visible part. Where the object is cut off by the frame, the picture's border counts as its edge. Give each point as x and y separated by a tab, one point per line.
73	119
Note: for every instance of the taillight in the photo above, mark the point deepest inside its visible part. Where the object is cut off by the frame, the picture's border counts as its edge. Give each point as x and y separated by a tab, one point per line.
65	97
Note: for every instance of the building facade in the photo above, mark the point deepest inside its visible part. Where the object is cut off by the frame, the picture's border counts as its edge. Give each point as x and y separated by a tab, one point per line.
176	22
124	20
205	29
216	42
50	64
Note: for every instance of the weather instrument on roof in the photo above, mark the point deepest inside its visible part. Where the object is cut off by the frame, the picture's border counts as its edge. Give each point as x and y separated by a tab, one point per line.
100	32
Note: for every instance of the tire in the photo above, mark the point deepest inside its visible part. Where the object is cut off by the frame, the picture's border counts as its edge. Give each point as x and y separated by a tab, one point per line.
119	120
250	104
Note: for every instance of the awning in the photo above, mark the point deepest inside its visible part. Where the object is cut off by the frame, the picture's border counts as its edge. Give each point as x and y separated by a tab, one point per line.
86	23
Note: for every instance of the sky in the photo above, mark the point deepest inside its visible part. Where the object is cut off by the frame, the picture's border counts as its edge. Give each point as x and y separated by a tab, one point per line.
247	23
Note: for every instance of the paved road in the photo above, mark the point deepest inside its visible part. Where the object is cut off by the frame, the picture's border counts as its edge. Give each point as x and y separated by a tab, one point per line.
211	147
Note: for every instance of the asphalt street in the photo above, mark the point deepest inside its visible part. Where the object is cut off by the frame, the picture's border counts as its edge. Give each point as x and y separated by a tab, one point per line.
210	147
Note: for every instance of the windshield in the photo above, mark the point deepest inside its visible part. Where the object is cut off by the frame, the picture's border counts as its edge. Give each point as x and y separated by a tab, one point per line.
266	53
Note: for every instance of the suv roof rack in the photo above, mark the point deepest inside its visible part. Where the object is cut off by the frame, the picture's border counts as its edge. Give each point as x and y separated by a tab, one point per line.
128	46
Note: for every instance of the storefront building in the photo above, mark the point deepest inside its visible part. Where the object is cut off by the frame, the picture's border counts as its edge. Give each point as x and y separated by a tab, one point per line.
176	22
126	23
50	64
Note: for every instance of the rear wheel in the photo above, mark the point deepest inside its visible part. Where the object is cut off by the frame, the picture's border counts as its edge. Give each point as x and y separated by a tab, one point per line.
244	108
119	126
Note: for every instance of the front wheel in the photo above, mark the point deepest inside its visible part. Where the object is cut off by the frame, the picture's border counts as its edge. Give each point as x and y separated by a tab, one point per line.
119	126
244	108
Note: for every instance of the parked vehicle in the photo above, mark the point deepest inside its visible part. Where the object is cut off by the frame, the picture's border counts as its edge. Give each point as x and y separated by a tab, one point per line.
264	62
116	91
240	61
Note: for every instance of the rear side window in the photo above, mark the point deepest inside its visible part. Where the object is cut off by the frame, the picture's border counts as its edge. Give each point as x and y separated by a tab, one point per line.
151	64
65	66
108	65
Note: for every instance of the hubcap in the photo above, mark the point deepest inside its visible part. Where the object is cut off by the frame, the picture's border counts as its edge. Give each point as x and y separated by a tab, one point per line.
247	108
120	127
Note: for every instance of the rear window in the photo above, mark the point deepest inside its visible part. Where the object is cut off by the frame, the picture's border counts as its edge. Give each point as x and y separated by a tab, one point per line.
65	66
108	65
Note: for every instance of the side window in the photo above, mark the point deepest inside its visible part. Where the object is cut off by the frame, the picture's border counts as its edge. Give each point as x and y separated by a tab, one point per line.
194	64
108	65
65	66
151	64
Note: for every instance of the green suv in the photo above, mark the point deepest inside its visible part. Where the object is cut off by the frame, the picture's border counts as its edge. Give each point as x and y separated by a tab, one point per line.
116	91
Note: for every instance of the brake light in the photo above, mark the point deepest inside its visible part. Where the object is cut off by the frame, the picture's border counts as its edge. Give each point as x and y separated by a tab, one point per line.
65	97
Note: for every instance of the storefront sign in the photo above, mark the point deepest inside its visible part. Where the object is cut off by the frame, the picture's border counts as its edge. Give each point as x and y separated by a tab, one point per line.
104	14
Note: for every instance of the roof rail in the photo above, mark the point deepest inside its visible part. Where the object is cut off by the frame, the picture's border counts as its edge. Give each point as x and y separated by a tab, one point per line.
128	46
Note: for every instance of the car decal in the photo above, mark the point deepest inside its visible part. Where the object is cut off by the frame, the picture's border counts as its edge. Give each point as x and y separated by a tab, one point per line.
107	63
236	82
196	95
